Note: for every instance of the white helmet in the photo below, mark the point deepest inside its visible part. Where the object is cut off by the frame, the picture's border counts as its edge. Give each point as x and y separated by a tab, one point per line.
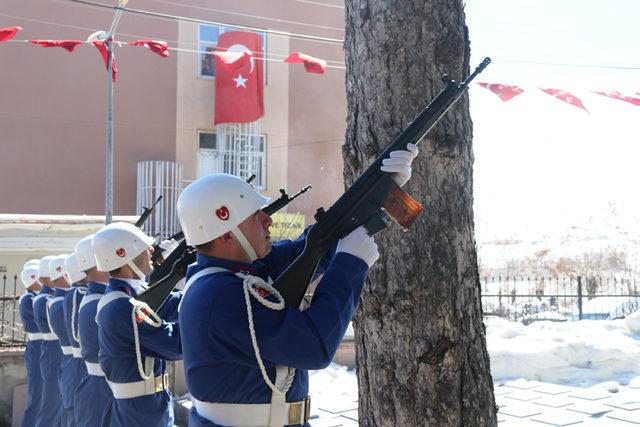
34	261
117	244
29	276
84	253
43	267
57	268
216	204
73	270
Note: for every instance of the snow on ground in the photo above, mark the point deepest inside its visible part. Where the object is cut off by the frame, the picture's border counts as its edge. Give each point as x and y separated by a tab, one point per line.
579	354
575	353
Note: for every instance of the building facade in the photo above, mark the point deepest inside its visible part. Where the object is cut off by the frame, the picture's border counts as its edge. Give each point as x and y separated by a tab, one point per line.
53	103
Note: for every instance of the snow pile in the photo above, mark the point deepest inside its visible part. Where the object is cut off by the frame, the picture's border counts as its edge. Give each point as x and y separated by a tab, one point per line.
578	353
333	385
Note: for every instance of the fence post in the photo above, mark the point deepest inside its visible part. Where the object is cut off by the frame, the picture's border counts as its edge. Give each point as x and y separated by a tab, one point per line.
13	321
579	297
4	294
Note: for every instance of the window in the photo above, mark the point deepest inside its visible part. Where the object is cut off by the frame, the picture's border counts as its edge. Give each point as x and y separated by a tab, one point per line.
239	155
207	41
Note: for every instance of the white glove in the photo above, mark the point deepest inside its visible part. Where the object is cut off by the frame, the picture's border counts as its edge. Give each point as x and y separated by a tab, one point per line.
168	246
359	244
399	163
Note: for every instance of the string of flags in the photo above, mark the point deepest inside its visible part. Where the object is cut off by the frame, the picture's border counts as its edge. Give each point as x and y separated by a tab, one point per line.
231	60
508	92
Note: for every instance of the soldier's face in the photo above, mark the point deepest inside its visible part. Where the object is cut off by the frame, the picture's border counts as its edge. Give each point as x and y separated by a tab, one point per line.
256	230
143	261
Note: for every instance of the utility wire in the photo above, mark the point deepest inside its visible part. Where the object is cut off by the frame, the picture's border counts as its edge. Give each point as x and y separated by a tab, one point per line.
316	3
248	15
202	21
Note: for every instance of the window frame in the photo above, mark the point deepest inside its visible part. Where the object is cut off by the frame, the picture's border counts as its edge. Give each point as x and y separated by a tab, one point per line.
218	152
203	44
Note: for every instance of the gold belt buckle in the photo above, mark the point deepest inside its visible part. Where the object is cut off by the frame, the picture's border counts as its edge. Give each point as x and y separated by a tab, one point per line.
161	382
299	412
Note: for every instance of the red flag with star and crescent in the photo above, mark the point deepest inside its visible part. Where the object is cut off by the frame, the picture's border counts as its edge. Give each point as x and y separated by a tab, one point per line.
239	91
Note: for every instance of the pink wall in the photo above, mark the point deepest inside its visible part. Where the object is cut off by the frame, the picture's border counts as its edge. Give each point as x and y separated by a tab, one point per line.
52	103
53	111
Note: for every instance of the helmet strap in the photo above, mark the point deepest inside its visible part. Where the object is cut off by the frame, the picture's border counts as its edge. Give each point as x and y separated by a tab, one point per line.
136	270
251	253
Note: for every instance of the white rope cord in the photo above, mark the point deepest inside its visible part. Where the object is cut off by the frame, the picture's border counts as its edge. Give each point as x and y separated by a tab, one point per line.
142	311
74	330
47	306
249	285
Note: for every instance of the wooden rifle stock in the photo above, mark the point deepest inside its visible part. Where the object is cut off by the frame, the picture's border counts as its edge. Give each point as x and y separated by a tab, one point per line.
370	201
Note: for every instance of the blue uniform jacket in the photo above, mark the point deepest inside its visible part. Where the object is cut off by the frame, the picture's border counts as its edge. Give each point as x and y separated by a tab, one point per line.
75	368
56	315
31	360
220	363
93	395
50	412
118	357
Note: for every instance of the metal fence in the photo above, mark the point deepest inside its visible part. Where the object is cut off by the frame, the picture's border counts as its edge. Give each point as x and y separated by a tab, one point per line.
11	330
517	298
569	298
159	178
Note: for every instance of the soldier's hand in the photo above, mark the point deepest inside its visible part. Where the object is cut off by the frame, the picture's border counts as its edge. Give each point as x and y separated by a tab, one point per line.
399	163
359	244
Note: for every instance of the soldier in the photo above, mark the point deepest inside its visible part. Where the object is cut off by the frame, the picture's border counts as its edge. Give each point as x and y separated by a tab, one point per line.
246	353
55	306
29	278
50	411
134	341
92	396
72	300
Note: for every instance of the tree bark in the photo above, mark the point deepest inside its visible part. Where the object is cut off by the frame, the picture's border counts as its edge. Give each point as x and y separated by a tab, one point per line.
421	345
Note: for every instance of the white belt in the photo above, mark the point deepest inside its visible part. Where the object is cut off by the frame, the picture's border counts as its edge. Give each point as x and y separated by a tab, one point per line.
66	350
34	336
49	336
139	388
76	352
250	414
94	369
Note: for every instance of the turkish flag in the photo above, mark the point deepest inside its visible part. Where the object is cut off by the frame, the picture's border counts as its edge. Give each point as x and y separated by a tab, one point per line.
565	96
8	33
156	46
311	64
104	52
239	92
505	92
68	45
621	97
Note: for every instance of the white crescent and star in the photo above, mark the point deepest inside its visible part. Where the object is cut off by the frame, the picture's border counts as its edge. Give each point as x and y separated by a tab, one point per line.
240	80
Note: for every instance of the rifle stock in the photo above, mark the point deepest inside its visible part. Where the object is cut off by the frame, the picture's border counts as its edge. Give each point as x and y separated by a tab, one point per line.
369	200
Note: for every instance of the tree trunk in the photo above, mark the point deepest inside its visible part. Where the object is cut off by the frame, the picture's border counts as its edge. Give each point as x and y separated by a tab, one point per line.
421	346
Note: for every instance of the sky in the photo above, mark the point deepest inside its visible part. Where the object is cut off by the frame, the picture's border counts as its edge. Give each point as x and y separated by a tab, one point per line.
542	165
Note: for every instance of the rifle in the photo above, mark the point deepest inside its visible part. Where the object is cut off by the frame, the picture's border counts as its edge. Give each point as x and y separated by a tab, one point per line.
157	250
164	277
371	201
147	211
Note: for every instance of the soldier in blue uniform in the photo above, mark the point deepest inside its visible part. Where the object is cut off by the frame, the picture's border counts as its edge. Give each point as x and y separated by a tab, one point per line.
72	300
134	341
55	306
93	395
29	278
246	353
50	412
